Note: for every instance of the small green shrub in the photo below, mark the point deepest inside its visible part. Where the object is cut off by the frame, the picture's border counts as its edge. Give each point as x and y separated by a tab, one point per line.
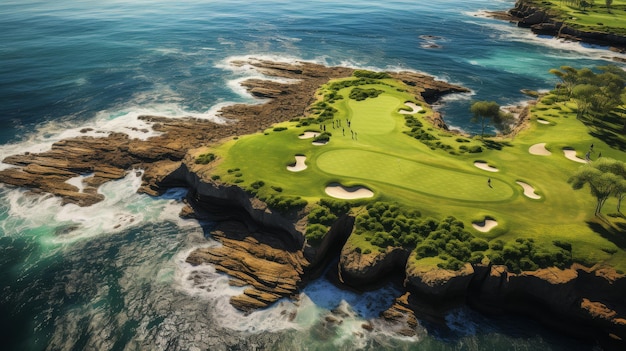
478	244
324	137
361	73
277	189
360	94
279	129
205	159
215	177
258	184
475	149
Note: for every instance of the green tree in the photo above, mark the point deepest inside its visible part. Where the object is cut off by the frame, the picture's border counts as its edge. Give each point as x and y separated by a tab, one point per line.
608	5
484	112
568	77
605	178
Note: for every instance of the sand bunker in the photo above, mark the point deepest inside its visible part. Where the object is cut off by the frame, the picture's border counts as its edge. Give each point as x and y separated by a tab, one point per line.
319	143
348	193
539	149
571	155
529	191
299	166
485	167
308	135
542	121
485	225
415	108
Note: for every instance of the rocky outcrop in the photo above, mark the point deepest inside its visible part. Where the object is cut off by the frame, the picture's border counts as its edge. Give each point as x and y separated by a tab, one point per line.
541	21
269	271
586	302
427	87
437	284
367	270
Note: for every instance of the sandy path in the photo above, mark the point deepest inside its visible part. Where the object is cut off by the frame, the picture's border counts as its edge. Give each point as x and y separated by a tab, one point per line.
485	226
529	191
539	149
415	108
485	167
348	193
571	155
299	166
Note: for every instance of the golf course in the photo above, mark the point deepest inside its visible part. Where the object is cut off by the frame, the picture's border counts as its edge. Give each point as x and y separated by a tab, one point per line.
368	139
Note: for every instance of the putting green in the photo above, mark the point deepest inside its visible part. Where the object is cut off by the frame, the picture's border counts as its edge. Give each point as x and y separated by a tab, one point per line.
372	116
415	176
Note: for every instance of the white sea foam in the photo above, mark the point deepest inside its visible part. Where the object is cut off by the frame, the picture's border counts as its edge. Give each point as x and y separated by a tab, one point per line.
124	120
122	208
78	181
563	49
318	300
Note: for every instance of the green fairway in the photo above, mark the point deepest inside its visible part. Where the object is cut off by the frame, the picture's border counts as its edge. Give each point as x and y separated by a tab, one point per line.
406	161
414	176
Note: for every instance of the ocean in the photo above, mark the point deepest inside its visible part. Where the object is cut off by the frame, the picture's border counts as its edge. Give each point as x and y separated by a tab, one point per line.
113	276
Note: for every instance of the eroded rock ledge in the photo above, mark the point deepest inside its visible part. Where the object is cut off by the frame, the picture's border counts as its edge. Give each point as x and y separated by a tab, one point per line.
542	22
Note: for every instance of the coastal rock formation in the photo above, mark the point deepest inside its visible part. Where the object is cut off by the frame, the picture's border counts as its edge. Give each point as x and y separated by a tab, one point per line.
541	21
269	271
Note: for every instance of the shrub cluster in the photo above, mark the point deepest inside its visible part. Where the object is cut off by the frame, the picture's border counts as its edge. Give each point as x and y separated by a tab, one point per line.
360	94
474	149
361	73
324	137
324	111
417	130
322	217
523	255
284	203
279	129
205	159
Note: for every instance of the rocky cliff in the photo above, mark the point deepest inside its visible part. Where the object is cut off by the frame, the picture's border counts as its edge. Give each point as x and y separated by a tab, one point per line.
541	21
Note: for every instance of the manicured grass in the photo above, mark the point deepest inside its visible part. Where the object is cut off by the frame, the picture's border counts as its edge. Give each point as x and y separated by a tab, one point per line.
438	178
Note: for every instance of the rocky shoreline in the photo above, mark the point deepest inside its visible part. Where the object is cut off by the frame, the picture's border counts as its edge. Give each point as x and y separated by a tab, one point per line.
266	251
540	21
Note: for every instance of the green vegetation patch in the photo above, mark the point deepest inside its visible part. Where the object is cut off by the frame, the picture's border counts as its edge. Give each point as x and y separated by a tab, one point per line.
421	176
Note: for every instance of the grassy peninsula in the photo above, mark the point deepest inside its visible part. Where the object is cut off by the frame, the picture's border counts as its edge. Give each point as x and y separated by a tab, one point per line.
368	146
589	15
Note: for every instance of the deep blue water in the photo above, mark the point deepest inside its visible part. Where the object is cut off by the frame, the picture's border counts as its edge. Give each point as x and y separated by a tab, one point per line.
113	276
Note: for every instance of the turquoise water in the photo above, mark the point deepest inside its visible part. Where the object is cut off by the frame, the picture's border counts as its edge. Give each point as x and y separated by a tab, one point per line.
113	276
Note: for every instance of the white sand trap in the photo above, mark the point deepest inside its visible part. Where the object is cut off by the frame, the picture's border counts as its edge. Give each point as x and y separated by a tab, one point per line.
299	166
319	143
485	225
539	149
542	121
571	155
485	167
529	191
348	193
415	108
308	135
